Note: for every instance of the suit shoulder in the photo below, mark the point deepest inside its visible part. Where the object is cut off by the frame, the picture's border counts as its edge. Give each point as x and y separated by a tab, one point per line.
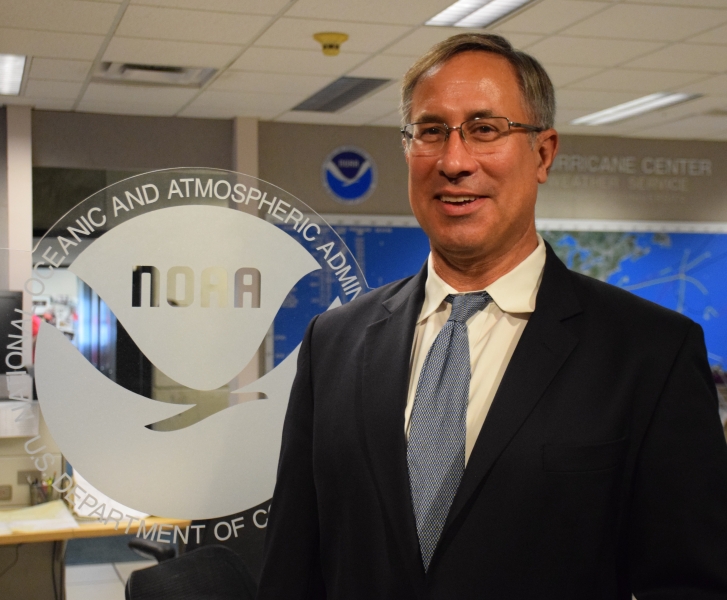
367	307
626	307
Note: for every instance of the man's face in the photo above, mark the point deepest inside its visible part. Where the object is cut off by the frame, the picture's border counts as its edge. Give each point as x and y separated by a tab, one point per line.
499	188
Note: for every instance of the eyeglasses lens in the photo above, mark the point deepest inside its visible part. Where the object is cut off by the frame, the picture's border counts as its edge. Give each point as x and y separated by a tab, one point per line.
480	135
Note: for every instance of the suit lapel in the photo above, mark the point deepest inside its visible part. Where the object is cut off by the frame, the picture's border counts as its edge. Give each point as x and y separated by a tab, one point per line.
543	348
385	383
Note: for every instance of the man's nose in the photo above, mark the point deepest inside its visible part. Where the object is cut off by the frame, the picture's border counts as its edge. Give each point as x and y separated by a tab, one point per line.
456	160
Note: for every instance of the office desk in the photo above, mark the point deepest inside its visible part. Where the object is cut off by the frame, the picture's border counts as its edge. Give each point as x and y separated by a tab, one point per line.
86	529
38	569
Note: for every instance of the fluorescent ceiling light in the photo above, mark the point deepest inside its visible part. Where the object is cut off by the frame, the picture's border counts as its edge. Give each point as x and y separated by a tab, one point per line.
11	74
456	12
633	108
476	13
341	93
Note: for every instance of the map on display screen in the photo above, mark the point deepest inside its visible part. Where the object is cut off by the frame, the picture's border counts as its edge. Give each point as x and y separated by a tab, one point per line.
681	271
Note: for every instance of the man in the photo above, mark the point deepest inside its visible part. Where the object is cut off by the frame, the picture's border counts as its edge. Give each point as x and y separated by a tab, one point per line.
550	437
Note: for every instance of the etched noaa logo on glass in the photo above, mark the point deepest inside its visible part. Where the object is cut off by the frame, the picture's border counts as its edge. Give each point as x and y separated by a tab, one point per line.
349	174
197	266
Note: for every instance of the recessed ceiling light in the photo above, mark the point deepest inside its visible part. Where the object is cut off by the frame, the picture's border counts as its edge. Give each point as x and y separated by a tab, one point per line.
476	13
11	73
633	108
132	73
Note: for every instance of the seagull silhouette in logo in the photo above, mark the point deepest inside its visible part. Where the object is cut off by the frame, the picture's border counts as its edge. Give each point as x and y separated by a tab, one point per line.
347	181
200	350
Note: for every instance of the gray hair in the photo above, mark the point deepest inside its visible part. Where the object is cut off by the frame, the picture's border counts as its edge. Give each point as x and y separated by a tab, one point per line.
535	85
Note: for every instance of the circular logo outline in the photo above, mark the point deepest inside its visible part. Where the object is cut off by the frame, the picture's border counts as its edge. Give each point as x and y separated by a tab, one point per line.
316	237
330	180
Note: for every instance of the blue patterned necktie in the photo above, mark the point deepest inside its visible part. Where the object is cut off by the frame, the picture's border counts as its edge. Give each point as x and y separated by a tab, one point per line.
438	428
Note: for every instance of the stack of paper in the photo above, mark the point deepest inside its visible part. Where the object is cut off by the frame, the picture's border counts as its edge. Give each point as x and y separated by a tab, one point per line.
49	516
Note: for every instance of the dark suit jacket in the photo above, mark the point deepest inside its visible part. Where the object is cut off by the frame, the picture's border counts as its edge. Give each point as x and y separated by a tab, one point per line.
601	468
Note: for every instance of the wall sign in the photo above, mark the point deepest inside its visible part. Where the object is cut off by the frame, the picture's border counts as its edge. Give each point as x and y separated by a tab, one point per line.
349	175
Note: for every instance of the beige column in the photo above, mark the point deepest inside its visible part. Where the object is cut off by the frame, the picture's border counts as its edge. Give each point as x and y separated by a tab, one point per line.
16	234
245	147
16	214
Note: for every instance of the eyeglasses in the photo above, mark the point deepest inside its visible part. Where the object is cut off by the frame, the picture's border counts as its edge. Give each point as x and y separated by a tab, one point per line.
480	135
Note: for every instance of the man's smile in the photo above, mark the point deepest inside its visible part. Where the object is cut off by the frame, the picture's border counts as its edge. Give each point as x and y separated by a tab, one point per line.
458	199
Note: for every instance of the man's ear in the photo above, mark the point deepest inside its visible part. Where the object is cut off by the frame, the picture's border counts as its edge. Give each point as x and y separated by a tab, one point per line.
406	154
547	148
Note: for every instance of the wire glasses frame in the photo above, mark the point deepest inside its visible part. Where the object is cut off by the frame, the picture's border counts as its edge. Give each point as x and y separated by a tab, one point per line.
480	135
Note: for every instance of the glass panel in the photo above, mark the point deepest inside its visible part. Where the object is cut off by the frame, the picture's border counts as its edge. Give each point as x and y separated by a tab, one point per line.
186	334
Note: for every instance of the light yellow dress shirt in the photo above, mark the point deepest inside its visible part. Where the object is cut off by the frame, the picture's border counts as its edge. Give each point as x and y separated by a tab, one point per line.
493	334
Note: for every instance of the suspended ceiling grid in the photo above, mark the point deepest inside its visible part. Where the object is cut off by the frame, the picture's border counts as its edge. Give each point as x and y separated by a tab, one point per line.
599	53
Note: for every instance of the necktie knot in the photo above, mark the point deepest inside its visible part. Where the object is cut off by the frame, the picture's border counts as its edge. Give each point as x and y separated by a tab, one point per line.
466	305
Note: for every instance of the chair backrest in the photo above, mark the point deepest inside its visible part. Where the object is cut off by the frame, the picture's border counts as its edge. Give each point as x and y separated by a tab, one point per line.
207	573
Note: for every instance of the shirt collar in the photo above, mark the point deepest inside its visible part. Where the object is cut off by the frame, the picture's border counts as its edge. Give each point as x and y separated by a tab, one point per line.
514	292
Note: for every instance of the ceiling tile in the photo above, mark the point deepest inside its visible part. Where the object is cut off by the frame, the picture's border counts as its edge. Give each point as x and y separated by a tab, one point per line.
40	103
283	60
53	89
59	70
685	3
695	107
49	43
219	112
637	80
566	50
391	91
298	33
718	35
627	21
391	120
685	57
404	13
696	127
229	104
591	100
581	130
137	94
422	39
249	7
270	83
564	116
659	117
189	25
70	16
562	75
126	108
322	118
371	107
550	16
177	54
384	66
714	86
268	102
659	134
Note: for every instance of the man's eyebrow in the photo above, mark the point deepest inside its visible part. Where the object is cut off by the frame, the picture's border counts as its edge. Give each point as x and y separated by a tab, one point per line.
429	118
480	114
435	118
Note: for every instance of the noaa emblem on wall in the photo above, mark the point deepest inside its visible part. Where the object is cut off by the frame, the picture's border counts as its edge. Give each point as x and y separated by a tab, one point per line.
349	174
195	264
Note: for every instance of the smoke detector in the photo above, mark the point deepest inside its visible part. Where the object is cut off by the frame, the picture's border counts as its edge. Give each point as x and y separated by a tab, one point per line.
330	41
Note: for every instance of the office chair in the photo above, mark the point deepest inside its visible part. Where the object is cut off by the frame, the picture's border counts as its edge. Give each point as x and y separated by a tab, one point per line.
206	573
